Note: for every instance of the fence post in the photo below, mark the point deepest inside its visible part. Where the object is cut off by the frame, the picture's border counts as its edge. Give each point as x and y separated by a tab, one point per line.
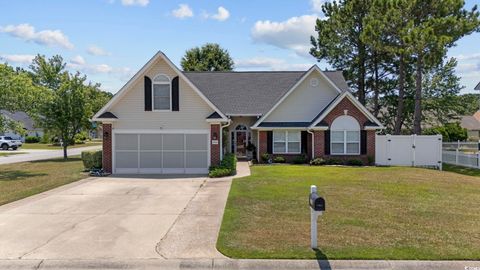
478	159
456	156
414	136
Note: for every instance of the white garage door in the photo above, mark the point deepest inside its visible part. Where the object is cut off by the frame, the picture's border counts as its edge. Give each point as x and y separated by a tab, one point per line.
161	153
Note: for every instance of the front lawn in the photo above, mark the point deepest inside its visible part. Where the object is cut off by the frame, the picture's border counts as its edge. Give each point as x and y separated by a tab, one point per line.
9	153
372	213
461	170
25	179
45	146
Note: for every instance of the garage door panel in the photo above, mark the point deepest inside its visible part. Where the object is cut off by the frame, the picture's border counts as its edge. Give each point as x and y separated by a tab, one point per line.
196	160
173	142
150	160
196	142
150	142
126	160
173	160
126	142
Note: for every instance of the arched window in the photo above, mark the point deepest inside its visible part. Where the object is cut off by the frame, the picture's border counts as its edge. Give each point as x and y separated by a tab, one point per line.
161	93
241	127
345	136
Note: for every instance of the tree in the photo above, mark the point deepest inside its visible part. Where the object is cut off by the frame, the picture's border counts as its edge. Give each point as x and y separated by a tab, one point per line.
48	72
67	111
210	57
450	132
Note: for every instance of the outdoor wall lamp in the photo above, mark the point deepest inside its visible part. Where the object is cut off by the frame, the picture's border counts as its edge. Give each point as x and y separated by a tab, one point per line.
214	136
106	134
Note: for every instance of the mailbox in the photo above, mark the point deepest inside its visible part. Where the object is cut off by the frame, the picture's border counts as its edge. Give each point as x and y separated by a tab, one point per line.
317	203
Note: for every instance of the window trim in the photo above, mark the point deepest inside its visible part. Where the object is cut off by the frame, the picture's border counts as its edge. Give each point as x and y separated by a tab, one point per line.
153	93
345	142
286	141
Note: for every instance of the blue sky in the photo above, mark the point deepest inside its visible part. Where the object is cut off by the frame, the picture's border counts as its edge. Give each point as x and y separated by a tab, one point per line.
109	40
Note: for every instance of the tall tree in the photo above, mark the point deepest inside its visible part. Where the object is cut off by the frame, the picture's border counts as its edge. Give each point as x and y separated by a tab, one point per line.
48	72
67	111
339	41
209	57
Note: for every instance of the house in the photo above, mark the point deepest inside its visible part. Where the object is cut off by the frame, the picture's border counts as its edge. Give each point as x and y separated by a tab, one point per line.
168	121
472	124
26	121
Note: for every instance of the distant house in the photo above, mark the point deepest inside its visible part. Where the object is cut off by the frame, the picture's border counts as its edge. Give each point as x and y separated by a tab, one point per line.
472	122
27	121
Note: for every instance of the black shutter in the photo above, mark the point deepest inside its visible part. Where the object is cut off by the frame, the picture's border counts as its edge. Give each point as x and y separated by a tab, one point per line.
304	142
175	95
270	142
363	142
327	142
148	93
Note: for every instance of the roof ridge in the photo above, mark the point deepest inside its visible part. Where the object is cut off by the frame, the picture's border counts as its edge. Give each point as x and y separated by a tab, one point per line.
259	71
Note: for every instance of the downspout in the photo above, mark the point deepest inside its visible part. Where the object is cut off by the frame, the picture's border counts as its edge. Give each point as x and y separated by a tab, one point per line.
221	137
313	142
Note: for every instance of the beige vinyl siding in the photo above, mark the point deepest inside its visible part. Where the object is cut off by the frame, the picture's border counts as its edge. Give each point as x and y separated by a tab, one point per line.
305	102
130	109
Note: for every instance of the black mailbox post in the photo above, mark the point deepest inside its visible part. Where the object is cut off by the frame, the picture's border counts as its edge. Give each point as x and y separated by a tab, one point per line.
317	203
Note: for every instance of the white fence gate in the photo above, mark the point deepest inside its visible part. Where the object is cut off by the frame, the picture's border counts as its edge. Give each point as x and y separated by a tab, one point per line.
409	150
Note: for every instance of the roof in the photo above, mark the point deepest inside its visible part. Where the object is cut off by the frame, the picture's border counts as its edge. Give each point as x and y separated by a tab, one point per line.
470	123
214	115
251	92
21	117
477	87
107	115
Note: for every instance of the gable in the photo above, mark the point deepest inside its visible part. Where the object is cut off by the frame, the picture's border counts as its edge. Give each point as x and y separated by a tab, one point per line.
131	113
305	101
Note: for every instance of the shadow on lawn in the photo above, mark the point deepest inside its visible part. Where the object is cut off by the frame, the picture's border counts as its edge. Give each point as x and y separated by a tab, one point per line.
322	260
70	159
12	175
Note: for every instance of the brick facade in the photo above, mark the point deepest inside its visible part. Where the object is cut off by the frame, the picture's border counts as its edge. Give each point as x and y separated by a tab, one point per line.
262	148
107	148
215	148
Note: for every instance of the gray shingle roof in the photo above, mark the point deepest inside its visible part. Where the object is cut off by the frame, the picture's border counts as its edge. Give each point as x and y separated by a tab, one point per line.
251	92
21	117
108	115
470	123
285	124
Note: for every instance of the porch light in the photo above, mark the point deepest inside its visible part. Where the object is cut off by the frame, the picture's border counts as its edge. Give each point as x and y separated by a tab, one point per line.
106	135
214	136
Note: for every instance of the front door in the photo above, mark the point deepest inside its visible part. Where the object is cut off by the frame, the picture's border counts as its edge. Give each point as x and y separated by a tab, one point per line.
241	143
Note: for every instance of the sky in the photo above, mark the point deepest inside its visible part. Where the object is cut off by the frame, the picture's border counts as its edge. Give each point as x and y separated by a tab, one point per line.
110	40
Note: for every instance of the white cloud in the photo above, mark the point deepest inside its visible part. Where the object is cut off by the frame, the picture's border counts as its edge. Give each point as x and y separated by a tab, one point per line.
45	37
221	15
293	34
461	57
269	63
77	60
141	3
183	11
97	51
17	58
317	5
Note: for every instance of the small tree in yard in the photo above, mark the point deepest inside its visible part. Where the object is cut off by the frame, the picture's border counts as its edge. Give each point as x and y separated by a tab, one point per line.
67	110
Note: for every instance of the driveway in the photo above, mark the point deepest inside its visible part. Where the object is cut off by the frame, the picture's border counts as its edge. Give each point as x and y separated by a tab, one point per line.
38	154
117	218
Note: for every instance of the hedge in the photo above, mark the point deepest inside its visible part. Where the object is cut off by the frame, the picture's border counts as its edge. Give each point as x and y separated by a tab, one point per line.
92	159
228	166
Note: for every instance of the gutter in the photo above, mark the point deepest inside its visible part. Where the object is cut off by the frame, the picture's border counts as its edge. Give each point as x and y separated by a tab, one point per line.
313	142
221	137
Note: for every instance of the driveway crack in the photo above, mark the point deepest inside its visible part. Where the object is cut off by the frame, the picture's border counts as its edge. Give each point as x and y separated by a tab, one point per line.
38	265
158	246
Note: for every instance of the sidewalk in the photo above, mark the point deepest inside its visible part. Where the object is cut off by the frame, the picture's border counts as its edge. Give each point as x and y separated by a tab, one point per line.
228	264
38	154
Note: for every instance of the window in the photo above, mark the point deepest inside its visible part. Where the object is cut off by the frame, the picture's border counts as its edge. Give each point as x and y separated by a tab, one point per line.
286	142
161	93
345	136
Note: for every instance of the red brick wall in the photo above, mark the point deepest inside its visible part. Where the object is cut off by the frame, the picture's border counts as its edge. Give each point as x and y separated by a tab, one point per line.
262	148
107	148
215	148
353	111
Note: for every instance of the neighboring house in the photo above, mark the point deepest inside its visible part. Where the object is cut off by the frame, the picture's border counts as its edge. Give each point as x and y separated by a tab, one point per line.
168	121
472	124
26	121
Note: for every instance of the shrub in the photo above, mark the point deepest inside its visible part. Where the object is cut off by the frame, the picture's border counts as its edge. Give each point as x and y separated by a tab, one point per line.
32	139
265	157
318	162
45	138
334	161
227	167
279	159
371	160
300	160
354	162
92	159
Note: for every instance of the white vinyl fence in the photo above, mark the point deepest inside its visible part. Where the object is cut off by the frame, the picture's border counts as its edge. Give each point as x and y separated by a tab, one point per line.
464	154
409	150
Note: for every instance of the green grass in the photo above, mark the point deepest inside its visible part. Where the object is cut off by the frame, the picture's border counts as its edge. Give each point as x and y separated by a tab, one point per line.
44	146
9	153
372	213
461	170
25	179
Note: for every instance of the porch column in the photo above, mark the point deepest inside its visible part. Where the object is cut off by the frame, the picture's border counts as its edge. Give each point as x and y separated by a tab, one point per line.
319	147
107	147
215	144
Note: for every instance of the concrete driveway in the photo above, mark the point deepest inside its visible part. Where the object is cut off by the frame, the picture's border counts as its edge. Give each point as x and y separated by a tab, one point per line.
117	218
